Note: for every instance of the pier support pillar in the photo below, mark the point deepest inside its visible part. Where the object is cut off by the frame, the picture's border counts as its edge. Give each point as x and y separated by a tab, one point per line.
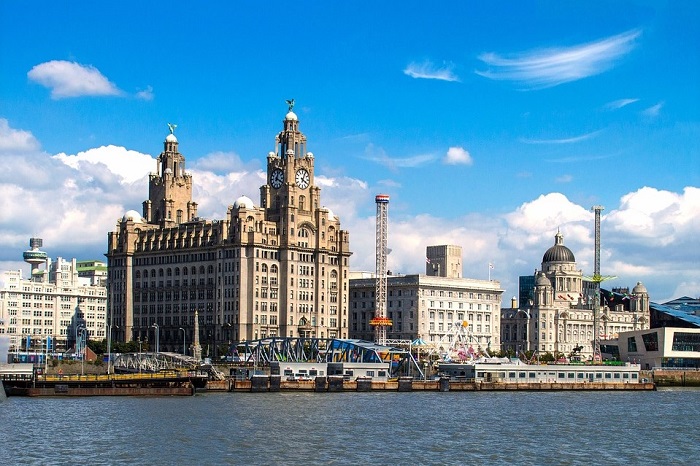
444	385
335	383
364	384
405	384
275	383
258	383
319	384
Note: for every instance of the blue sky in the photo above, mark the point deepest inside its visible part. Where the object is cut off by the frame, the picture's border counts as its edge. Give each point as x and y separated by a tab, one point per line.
490	125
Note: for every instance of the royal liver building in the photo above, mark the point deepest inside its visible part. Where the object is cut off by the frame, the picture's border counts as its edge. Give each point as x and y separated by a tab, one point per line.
276	269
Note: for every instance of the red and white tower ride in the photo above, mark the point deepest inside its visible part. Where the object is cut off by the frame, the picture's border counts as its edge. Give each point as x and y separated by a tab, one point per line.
380	321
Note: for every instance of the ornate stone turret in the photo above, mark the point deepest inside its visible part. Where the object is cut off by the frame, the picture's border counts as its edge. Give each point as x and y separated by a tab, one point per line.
170	188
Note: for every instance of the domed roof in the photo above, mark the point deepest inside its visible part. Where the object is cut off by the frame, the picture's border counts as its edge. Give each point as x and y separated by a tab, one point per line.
291	116
170	138
542	280
243	202
558	252
132	216
310	155
331	215
639	288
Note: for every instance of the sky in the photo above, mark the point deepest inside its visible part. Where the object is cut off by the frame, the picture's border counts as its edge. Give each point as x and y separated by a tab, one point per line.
491	125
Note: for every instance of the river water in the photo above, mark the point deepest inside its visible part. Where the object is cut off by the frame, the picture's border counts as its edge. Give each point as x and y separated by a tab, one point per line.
482	428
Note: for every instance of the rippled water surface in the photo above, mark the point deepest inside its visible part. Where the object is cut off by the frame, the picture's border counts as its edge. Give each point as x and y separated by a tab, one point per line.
538	428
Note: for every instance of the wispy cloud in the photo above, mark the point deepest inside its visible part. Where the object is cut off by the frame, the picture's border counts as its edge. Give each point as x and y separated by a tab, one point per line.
551	67
71	79
428	70
378	155
457	156
653	111
580	158
616	104
146	94
571	140
564	179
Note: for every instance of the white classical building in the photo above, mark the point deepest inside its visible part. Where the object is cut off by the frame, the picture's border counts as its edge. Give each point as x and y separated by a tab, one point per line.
560	318
427	306
51	306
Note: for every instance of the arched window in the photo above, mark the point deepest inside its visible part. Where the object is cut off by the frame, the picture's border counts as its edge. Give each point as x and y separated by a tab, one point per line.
138	274
193	270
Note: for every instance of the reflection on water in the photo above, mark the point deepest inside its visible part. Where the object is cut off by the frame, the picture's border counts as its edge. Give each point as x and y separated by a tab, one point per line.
543	428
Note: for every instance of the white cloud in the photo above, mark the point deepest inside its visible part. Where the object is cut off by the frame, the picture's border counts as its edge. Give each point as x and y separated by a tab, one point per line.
71	79
457	156
428	70
551	67
653	111
127	164
73	201
617	104
16	140
145	94
223	162
564	179
379	155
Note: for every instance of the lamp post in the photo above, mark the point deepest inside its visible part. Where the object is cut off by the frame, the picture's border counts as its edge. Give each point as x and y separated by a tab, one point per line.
184	350
155	326
83	332
109	346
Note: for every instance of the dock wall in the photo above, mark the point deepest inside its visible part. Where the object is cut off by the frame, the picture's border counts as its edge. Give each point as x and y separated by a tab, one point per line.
323	384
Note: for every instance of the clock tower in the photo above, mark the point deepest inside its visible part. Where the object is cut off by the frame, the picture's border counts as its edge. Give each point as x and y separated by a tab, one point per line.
290	195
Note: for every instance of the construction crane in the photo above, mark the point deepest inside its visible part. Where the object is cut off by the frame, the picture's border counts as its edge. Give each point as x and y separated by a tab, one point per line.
597	278
380	321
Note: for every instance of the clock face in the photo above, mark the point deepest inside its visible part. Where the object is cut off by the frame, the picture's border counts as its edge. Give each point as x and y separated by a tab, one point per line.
302	179
277	178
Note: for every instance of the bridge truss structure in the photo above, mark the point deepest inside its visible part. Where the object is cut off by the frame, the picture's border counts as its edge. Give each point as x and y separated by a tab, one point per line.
163	361
300	349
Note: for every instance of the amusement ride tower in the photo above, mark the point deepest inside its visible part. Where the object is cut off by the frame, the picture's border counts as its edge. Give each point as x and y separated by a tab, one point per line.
380	321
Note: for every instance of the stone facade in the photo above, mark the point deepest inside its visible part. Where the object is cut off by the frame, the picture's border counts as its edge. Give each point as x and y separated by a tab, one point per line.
422	306
560	318
279	268
50	307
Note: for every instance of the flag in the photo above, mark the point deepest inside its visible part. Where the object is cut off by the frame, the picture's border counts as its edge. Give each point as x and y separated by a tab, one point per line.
29	342
490	265
427	261
48	343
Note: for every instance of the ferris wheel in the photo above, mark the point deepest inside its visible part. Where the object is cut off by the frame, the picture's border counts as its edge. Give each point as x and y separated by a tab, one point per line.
458	344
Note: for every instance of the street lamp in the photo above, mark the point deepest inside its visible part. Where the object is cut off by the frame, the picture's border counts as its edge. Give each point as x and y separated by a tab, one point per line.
109	345
83	332
155	326
184	351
